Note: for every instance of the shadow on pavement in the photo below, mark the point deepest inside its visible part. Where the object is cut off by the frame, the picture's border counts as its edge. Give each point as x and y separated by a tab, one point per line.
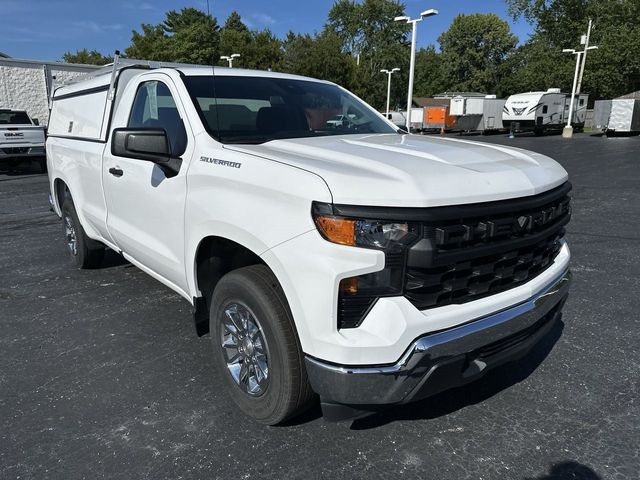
569	470
450	401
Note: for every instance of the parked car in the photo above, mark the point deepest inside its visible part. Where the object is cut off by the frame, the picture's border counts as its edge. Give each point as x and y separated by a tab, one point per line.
21	138
341	121
365	265
397	118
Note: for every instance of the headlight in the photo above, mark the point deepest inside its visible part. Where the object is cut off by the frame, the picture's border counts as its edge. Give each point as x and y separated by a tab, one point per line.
358	294
363	233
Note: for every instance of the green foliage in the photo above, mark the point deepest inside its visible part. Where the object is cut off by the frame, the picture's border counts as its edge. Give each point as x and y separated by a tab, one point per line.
613	69
366	30
151	44
478	52
429	76
235	37
188	36
473	50
318	56
85	56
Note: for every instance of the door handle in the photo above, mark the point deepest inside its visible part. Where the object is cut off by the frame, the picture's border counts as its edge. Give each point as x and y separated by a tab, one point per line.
116	172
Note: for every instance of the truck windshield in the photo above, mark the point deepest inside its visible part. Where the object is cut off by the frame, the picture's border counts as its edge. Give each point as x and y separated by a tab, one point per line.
14	118
253	110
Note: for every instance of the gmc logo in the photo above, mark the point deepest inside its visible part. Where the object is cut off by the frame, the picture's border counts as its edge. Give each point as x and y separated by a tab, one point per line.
16	134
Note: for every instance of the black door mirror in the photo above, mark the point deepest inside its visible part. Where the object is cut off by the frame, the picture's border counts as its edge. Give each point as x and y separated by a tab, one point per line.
150	144
35	121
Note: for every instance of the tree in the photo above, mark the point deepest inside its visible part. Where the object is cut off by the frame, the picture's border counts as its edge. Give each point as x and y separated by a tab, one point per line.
318	56
85	56
367	31
151	44
194	36
235	37
613	69
188	36
473	49
429	78
263	52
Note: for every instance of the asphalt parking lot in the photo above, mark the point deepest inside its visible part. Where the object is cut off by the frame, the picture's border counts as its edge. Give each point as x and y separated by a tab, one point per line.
102	376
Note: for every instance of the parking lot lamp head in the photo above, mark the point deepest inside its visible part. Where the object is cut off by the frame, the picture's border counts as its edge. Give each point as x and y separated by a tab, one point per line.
230	58
429	13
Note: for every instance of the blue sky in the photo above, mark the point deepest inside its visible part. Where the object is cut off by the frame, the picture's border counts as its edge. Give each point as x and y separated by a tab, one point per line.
45	29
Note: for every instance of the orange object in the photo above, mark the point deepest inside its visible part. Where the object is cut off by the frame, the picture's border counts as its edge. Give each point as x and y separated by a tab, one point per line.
349	285
436	117
337	230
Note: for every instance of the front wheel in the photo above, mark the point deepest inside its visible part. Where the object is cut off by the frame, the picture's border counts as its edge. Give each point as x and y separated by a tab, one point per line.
84	251
256	348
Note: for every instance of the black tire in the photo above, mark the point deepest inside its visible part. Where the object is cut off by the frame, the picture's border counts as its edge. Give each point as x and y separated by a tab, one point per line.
286	391
43	165
85	252
538	132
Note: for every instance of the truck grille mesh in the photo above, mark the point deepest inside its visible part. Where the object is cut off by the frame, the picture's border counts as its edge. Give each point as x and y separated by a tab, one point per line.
464	259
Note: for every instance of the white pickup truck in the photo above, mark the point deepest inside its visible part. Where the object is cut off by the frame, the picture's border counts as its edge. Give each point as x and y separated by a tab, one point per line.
21	138
355	263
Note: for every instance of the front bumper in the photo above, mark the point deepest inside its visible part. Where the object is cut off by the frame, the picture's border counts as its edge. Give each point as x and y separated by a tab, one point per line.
446	359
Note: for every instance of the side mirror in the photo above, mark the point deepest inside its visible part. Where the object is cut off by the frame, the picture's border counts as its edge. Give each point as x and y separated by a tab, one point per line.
35	121
149	144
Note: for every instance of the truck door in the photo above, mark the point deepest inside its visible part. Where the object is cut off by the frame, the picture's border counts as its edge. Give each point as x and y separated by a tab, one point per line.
145	207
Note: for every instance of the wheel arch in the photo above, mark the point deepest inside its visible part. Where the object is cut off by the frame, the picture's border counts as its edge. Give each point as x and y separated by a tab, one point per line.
214	257
60	190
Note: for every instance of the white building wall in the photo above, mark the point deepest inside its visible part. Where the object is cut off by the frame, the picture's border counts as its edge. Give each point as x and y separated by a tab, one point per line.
23	84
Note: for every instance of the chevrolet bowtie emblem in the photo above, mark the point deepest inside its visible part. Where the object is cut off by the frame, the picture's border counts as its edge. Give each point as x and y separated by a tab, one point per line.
522	221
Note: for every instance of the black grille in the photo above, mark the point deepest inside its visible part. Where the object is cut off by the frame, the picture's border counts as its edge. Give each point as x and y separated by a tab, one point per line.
463	259
352	309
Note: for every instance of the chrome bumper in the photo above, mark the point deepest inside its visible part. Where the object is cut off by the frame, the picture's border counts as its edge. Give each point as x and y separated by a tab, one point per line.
446	359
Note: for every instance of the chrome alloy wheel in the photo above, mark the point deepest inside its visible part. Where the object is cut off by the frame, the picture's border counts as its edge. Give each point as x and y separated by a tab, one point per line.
245	349
70	232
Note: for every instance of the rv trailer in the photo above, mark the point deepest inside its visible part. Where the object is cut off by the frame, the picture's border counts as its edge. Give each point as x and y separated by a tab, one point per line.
543	111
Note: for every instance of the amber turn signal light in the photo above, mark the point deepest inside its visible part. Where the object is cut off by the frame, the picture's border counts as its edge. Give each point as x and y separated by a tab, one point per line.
349	285
337	230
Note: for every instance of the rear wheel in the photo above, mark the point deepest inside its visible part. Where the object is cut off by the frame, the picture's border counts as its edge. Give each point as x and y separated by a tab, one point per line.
83	251
256	348
42	163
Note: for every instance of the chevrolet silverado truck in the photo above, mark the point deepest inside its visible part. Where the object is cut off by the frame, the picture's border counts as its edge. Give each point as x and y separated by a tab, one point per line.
21	138
354	263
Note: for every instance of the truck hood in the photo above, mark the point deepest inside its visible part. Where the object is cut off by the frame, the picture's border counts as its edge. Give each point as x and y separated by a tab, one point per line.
414	171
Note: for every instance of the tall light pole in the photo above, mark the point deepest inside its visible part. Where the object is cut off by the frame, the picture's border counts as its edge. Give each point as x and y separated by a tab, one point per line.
412	65
584	56
567	132
229	58
389	73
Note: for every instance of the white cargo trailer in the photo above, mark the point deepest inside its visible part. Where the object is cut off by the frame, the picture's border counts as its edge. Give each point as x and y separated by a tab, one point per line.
625	116
601	114
483	115
542	111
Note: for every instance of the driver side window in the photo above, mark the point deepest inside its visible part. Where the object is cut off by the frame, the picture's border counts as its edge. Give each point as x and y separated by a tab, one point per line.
154	107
